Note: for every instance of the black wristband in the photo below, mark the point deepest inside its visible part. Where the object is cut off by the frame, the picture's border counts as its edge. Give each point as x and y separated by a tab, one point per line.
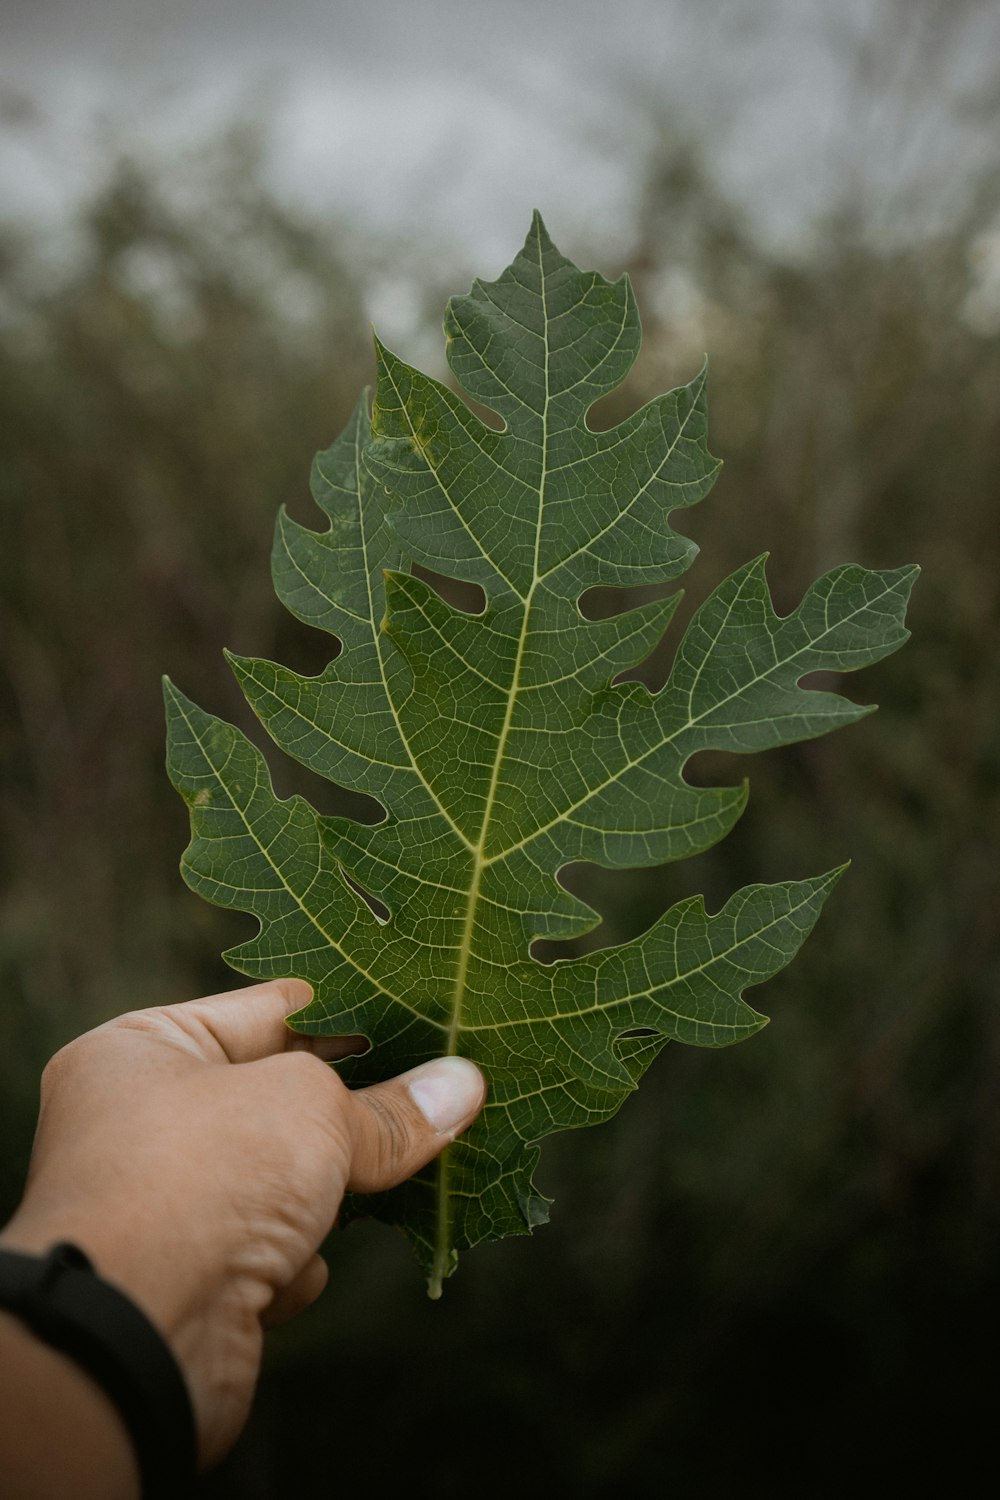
62	1299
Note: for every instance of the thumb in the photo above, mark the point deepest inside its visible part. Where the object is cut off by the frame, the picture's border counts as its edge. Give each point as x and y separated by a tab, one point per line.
398	1126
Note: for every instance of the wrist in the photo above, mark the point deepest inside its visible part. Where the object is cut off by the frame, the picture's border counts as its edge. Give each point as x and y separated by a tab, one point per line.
186	1310
154	1279
59	1432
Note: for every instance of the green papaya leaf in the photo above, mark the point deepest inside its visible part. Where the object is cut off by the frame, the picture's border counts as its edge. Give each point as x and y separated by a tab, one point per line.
500	744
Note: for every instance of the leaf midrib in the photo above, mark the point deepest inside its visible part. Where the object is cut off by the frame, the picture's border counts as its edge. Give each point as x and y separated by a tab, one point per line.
442	1248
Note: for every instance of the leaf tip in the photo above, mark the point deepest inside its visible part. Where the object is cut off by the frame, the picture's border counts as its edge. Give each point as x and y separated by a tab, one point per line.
238	665
172	695
822	885
538	234
907	578
170	704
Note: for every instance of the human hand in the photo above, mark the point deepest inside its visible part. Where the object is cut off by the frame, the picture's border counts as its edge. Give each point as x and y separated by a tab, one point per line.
203	1189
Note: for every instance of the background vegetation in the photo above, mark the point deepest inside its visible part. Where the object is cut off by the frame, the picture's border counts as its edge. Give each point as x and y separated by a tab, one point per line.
780	1256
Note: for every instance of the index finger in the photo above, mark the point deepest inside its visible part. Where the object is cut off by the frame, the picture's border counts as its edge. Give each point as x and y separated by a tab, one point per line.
247	1024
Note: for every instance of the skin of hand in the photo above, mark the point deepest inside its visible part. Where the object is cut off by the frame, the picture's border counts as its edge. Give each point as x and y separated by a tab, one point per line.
199	1154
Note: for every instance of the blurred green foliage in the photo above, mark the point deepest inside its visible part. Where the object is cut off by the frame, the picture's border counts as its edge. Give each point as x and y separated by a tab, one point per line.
786	1248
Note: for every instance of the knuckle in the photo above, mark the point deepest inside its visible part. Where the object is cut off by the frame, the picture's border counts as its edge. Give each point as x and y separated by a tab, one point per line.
303	1081
53	1072
393	1143
63	1064
307	1069
150	1022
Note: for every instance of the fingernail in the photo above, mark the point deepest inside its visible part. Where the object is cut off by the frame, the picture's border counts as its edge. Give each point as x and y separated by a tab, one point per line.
446	1091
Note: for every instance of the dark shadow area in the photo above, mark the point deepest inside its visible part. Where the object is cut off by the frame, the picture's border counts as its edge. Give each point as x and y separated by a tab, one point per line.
603	603
470	598
378	908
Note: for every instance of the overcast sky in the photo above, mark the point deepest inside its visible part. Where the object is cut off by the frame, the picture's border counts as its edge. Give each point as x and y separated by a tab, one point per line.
466	116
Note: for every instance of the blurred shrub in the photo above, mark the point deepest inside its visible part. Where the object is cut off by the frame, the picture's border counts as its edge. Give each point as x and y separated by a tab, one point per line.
157	403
